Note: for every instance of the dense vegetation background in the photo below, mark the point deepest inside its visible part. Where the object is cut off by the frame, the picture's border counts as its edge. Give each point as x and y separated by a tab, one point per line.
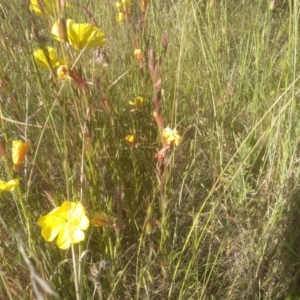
221	219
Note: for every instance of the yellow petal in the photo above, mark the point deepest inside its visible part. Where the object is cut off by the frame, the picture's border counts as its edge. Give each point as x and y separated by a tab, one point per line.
42	60
50	233
50	220
84	222
19	151
64	239
51	226
69	236
77	236
8	186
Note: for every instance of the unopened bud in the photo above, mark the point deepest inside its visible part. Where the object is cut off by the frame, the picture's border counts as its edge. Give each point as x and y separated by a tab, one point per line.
149	211
62	29
148	228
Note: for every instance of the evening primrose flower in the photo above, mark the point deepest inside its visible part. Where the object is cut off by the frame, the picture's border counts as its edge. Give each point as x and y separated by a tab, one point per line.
122	8
138	54
138	101
46	7
120	17
19	151
171	137
8	186
41	58
80	35
130	138
123	4
66	222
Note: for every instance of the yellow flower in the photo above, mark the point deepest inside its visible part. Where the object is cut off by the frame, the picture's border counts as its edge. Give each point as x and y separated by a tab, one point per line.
120	17
123	4
122	8
8	186
138	101
171	137
19	151
130	138
46	7
41	58
66	222
126	3
80	35
119	6
138	54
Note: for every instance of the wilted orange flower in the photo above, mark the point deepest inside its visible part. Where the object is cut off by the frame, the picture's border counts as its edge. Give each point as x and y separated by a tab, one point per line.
19	151
63	72
171	137
101	220
143	5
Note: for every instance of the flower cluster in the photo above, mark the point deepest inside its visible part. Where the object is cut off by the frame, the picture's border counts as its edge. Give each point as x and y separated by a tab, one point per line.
66	223
78	35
